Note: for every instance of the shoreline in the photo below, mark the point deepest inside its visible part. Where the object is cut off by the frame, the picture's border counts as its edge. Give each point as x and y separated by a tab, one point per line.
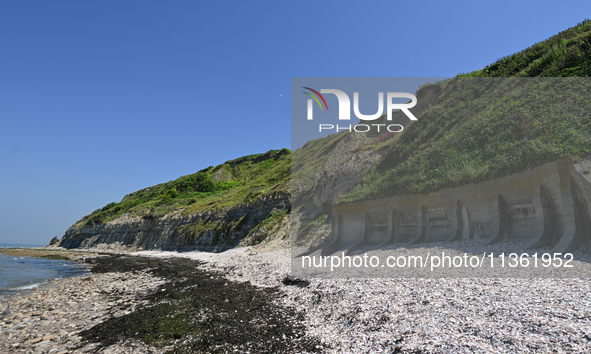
113	310
52	316
73	256
345	315
53	253
47	267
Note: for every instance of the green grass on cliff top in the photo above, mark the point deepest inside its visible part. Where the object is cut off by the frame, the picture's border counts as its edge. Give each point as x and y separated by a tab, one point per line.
566	54
484	129
238	181
466	137
488	128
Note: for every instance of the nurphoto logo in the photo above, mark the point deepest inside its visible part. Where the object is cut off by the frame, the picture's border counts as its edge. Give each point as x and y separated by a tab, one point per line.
345	109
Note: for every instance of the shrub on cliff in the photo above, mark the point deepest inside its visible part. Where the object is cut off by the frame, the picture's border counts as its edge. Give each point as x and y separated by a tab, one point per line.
205	183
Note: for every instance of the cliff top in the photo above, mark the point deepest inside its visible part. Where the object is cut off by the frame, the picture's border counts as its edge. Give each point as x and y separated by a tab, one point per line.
234	182
492	122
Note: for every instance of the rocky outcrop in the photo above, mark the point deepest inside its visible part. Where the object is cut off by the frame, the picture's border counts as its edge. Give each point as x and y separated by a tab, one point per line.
212	230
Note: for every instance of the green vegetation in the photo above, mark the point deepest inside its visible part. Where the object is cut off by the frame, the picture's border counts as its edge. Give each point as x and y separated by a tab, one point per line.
234	182
271	221
565	54
274	218
483	127
309	159
477	129
197	229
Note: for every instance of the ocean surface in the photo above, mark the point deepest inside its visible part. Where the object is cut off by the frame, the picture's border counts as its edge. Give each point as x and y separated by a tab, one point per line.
21	274
18	245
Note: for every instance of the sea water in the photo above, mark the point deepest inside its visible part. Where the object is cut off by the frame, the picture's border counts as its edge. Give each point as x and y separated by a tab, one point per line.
21	274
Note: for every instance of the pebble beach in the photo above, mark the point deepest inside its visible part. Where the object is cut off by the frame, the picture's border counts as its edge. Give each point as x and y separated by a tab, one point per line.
314	315
426	315
49	319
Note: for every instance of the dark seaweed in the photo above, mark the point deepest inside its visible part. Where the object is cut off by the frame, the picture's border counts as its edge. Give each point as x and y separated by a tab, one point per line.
201	312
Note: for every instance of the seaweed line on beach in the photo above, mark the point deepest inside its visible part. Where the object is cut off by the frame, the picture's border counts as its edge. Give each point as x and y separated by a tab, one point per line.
199	311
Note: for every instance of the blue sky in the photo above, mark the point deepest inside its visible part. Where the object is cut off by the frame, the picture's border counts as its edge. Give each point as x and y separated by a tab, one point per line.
101	98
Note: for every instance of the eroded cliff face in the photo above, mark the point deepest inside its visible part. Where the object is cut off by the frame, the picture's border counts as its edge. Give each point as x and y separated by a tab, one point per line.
347	161
212	231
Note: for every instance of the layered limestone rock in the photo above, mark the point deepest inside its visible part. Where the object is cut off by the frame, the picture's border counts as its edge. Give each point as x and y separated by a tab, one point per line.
214	231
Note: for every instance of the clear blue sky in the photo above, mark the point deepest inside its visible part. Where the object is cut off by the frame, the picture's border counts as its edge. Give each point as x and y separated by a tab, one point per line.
101	98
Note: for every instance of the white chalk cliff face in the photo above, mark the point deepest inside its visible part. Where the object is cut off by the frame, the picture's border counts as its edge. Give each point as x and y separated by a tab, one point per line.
224	229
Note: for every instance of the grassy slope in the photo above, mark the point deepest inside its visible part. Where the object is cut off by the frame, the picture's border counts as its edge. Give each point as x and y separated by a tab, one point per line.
565	54
465	137
310	158
517	124
233	182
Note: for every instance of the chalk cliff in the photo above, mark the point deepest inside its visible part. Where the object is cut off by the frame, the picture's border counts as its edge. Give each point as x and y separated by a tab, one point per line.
209	231
240	201
470	134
